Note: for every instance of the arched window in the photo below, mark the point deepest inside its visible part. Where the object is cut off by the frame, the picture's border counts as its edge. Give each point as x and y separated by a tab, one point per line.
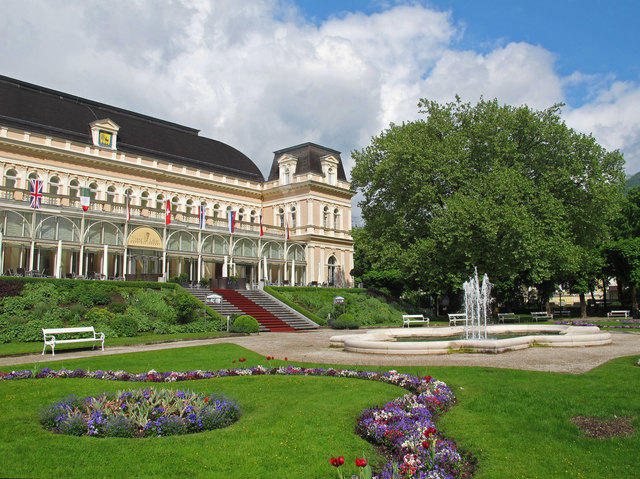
144	199
331	267
32	176
216	210
325	216
93	188
330	176
160	202
287	176
241	214
111	194
336	216
73	188
175	204
188	209
254	216
281	217
10	178
293	217
128	196
54	185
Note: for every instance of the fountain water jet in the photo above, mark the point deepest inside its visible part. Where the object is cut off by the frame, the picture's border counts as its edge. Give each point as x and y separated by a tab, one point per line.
477	303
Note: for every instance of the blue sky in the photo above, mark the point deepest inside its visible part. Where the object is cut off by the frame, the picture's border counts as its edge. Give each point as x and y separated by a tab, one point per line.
594	37
263	75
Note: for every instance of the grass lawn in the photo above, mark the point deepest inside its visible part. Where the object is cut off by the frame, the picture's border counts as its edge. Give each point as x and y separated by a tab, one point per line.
516	423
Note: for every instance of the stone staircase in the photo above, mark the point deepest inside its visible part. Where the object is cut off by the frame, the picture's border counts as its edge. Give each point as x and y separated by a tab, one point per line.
271	314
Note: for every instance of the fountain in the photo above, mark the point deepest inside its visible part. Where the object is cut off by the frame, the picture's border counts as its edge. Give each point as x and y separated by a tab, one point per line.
477	301
473	336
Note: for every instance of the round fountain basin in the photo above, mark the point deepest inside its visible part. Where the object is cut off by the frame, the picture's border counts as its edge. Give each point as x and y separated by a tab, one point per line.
446	340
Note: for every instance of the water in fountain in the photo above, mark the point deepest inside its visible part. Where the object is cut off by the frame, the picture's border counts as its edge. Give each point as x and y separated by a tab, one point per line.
477	301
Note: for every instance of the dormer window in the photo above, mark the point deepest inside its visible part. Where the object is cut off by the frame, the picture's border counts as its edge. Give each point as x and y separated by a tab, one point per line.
104	133
287	165
329	168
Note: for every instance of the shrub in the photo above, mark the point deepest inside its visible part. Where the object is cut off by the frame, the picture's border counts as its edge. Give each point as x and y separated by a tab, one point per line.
124	326
99	316
185	307
245	324
345	321
117	308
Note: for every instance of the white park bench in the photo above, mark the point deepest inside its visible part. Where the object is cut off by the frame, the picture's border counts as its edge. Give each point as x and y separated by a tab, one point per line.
618	314
52	337
541	315
409	319
456	318
508	316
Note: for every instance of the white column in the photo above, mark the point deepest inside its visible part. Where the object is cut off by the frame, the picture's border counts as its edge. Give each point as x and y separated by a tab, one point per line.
58	263
265	274
199	268
293	272
31	256
105	261
1	256
81	261
225	265
125	263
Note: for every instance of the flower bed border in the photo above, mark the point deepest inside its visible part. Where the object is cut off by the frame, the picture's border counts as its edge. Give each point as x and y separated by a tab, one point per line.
429	398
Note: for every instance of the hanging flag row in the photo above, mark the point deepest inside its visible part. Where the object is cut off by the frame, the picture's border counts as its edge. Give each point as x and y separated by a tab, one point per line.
35	201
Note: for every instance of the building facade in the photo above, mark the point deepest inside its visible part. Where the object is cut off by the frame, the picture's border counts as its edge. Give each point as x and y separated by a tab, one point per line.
92	190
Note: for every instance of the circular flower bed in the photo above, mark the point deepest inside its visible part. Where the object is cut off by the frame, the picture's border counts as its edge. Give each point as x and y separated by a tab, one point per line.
404	428
140	413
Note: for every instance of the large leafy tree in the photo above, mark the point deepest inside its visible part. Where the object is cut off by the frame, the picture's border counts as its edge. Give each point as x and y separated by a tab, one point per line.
510	190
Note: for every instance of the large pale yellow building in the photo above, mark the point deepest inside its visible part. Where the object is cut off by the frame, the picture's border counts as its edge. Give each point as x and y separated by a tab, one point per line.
86	188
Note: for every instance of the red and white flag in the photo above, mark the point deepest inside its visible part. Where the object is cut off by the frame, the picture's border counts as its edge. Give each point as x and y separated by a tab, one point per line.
261	229
168	212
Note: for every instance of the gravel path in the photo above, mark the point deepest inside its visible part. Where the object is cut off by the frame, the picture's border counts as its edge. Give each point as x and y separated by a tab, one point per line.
313	347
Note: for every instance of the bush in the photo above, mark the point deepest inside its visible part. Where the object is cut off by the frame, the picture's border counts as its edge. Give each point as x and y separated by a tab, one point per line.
124	326
245	324
117	308
185	307
345	321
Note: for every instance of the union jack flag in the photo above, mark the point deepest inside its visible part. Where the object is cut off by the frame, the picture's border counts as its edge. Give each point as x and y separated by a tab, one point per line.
36	194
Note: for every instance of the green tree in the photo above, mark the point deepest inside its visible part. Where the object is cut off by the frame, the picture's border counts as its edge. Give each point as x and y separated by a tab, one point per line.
510	190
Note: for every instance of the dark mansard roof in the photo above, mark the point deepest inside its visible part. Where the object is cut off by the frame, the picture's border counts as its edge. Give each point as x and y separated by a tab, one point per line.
41	110
309	156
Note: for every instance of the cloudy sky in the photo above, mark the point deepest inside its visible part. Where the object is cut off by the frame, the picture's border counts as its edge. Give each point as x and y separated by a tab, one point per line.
262	75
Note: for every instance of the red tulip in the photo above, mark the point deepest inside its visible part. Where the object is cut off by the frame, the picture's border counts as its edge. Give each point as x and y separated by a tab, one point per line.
341	460
361	462
335	461
286	359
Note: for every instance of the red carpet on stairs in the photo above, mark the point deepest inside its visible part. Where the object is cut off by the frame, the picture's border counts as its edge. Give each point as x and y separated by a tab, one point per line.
264	317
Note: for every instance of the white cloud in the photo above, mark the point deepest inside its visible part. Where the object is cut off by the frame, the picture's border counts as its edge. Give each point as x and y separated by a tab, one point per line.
258	76
614	120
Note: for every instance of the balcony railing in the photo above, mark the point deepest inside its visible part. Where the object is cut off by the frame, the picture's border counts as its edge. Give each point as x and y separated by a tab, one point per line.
73	203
